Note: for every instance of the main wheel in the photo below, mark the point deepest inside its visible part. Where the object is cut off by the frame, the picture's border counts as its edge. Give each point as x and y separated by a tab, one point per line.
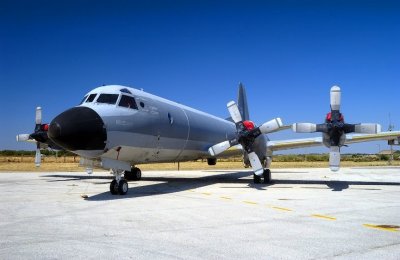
256	178
114	187
136	174
267	176
122	187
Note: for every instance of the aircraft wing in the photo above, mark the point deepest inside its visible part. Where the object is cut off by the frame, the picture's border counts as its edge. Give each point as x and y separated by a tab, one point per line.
317	141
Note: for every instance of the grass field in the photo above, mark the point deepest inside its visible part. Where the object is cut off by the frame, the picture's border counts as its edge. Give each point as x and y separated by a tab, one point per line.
69	164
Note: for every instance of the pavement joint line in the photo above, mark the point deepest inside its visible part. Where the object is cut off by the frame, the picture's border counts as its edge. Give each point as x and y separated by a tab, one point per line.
250	202
323	217
280	208
381	228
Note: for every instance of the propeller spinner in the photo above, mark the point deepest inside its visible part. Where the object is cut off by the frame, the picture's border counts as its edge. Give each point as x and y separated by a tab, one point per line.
245	136
335	129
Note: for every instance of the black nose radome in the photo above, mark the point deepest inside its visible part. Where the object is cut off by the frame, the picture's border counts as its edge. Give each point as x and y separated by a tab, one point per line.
78	128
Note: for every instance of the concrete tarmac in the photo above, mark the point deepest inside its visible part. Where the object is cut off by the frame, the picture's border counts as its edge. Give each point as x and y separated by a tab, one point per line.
302	214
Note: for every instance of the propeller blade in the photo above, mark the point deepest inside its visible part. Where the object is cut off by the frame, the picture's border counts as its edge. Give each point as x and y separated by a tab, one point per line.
234	112
23	137
335	98
219	148
271	126
256	164
304	127
334	158
367	128
38	118
38	157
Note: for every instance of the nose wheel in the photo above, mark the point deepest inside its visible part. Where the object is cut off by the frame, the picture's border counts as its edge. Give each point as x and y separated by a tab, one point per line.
118	185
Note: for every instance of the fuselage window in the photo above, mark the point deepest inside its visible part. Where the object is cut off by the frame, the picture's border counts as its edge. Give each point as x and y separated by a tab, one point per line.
83	100
107	98
91	98
127	101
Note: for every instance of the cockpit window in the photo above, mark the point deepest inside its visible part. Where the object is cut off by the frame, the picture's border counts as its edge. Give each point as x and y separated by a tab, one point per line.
107	98
125	90
91	98
83	100
127	101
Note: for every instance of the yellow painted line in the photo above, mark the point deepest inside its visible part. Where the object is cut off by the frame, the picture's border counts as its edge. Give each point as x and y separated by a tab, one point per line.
192	190
382	227
323	217
283	209
250	202
206	193
225	198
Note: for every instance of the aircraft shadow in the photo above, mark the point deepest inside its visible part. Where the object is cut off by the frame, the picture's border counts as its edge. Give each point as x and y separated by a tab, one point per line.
169	185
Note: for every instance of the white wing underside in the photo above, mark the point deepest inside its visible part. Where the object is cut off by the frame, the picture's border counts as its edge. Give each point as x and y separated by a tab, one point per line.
317	141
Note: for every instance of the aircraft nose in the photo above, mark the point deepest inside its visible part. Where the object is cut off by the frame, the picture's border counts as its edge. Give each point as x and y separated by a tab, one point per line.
78	128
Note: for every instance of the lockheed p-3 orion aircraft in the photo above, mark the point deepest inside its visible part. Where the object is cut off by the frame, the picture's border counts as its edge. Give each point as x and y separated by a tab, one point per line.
117	127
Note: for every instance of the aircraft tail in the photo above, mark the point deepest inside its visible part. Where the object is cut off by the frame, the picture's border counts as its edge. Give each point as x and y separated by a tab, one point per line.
242	102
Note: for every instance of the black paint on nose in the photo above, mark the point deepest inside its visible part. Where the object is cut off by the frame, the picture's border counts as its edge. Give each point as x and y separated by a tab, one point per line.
78	128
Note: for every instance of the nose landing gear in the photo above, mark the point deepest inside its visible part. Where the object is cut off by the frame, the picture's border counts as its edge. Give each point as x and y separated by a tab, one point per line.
119	185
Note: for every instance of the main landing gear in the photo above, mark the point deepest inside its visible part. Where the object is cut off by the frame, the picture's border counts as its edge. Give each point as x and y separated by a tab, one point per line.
134	175
120	185
266	176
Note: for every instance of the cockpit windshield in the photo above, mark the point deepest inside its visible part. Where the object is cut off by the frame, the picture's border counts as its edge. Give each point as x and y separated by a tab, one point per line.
83	100
107	98
127	101
91	98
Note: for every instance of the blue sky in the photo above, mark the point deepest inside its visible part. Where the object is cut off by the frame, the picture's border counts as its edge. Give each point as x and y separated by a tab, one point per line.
287	53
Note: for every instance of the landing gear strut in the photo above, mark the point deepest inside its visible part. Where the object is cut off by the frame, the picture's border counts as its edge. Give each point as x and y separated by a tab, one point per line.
266	176
119	185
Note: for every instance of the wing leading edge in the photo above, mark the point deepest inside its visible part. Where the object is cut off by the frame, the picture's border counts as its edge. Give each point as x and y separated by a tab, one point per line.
317	141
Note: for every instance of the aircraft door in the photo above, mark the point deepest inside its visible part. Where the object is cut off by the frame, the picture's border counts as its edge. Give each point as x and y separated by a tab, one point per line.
173	133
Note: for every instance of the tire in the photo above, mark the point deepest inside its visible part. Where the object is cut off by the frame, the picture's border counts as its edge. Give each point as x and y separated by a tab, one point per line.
122	187
114	187
256	179
267	176
211	161
136	174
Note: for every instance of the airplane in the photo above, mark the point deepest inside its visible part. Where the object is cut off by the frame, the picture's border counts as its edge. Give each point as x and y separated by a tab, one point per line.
117	127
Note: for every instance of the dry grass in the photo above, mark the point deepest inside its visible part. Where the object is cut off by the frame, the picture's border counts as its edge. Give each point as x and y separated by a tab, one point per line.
67	164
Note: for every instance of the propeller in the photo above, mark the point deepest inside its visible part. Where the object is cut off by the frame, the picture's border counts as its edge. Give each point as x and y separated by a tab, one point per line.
246	135
335	129
39	135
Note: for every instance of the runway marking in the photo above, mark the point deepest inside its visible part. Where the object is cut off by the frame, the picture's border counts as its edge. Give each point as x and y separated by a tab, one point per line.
250	202
206	193
280	208
226	198
383	227
323	217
